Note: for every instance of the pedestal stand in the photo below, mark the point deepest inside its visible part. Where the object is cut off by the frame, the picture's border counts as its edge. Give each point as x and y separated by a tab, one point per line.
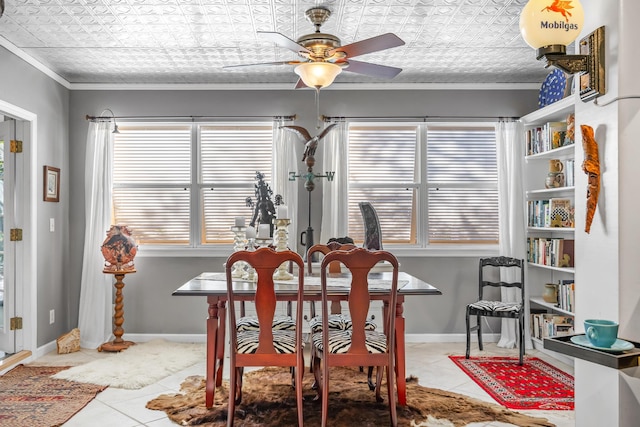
118	344
281	238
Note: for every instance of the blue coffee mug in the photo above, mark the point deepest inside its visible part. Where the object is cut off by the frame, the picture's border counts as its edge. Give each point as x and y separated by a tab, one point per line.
601	333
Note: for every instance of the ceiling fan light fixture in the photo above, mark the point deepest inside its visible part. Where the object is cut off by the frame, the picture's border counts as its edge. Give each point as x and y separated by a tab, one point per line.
318	74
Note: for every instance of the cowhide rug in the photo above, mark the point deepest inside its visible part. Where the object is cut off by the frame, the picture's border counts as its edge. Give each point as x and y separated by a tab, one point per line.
269	401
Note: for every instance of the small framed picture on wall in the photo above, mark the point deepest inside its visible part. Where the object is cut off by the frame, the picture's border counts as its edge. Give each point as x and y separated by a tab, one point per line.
51	184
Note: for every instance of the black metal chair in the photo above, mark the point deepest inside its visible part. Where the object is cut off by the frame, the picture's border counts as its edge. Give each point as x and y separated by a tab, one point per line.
489	267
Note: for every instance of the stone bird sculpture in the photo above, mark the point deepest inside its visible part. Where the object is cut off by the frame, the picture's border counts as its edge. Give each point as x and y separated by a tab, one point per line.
311	143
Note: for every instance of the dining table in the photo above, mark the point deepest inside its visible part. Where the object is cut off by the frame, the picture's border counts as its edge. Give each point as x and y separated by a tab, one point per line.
213	286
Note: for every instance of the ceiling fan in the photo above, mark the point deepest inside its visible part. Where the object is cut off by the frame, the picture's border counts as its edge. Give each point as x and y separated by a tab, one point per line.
324	58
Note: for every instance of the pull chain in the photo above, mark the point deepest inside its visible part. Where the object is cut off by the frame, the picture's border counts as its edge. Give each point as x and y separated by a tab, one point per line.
319	122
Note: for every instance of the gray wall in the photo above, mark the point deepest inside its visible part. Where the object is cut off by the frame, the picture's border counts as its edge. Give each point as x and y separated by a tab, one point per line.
149	306
25	87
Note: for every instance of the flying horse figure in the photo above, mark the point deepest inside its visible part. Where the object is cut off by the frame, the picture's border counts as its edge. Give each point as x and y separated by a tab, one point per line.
561	7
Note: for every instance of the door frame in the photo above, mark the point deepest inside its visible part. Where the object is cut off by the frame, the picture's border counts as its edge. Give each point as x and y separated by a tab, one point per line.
28	311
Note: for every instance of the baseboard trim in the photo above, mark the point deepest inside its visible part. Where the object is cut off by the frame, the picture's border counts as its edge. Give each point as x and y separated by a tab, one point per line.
169	337
12	361
427	338
202	338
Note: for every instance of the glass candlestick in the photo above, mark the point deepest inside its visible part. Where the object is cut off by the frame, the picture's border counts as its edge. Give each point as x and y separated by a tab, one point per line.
280	240
250	273
239	242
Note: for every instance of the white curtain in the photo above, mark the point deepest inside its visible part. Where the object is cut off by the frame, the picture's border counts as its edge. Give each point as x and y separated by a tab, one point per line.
284	161
95	311
510	151
335	211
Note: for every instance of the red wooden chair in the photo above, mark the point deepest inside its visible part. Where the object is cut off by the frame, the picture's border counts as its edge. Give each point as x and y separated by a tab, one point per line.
337	320
357	346
334	267
266	346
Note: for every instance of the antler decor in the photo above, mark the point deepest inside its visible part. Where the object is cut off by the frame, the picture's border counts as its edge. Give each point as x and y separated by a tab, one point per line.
590	166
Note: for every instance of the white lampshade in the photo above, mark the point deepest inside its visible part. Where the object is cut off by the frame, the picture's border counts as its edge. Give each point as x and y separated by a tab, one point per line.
318	74
540	25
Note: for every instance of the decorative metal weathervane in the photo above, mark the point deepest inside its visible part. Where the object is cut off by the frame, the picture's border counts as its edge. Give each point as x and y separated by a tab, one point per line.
311	144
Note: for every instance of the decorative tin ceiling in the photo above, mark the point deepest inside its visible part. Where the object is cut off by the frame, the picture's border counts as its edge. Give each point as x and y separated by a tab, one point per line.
189	41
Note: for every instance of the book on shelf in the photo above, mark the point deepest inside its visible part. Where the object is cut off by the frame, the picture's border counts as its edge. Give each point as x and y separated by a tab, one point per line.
556	212
546	325
556	132
549	136
561	212
569	172
566	295
568	250
551	251
538	213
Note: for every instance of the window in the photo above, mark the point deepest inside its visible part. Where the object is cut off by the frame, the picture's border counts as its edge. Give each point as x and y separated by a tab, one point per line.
430	183
183	184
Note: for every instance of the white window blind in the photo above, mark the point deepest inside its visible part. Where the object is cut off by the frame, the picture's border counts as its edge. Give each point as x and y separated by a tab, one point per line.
435	181
382	171
231	156
462	177
185	184
152	181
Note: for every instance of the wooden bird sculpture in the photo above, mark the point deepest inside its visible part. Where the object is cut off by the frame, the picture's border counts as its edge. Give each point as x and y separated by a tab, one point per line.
311	143
590	166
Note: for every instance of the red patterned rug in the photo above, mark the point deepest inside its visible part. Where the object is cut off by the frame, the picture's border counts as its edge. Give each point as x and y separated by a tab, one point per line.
534	385
29	397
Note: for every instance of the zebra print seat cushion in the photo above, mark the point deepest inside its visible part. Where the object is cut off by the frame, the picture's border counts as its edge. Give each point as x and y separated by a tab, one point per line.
368	324
250	323
338	321
496	306
340	341
284	341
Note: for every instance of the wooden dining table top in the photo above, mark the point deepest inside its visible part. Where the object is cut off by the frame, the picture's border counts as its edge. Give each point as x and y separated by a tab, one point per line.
215	284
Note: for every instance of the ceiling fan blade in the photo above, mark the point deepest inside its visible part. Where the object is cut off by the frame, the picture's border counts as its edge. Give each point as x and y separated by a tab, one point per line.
300	84
374	44
283	41
373	70
264	63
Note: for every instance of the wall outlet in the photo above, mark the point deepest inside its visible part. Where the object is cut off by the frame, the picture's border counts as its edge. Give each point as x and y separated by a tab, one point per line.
52	316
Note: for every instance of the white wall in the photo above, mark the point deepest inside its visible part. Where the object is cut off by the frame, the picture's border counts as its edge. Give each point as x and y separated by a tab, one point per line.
607	267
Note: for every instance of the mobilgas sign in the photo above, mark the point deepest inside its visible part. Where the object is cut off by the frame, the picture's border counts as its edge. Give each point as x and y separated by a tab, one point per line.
559	25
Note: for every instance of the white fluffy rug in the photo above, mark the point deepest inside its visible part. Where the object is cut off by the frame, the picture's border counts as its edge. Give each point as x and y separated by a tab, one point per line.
138	366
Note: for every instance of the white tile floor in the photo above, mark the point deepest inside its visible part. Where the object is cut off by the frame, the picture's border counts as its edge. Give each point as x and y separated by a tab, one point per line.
427	361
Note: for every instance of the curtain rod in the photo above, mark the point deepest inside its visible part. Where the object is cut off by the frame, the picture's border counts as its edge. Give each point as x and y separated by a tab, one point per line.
193	118
415	118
